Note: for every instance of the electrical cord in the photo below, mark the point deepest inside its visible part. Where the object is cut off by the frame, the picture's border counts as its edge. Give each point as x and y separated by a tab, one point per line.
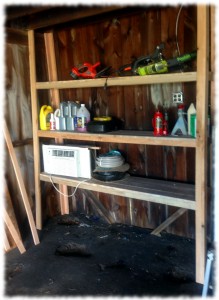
176	29
63	193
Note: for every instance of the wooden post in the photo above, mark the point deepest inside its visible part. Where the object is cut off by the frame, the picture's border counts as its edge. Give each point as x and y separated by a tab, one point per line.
201	139
55	100
36	145
212	63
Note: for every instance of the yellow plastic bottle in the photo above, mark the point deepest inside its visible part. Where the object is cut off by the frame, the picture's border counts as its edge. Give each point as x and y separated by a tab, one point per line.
45	112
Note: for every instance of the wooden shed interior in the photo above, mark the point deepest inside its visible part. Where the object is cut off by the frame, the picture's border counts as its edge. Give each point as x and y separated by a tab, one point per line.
42	45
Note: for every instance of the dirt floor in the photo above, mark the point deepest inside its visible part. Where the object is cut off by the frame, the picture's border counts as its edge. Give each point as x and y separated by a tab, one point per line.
92	258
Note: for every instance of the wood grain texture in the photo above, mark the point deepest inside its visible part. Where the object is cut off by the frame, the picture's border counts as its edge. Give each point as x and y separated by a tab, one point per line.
163	192
201	151
116	42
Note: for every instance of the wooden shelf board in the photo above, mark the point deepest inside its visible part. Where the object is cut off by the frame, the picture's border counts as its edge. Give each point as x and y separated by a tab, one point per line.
123	136
152	190
119	81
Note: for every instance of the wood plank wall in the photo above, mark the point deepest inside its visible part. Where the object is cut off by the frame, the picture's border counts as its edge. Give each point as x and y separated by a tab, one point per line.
115	42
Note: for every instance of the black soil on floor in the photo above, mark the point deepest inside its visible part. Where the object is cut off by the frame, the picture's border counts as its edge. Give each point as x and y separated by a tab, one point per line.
84	256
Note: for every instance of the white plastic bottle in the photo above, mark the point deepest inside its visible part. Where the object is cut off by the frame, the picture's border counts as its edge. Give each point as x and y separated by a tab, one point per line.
56	116
83	117
52	122
75	107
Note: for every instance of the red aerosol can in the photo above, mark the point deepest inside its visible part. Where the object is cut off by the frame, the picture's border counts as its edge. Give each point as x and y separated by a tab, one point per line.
157	123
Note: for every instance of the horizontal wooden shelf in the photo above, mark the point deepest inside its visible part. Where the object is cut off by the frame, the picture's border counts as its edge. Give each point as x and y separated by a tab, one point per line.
123	137
152	190
119	81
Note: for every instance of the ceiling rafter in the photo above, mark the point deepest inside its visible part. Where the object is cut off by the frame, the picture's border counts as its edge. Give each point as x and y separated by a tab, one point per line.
41	17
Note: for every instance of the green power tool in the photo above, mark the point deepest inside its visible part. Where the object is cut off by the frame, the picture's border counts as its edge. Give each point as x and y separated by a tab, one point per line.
166	65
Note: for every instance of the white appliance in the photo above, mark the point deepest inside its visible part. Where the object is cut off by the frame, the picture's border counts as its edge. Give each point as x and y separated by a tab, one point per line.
73	161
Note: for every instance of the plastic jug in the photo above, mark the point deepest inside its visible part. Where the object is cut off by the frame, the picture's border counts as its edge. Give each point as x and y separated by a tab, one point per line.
75	107
83	117
45	112
191	111
52	122
56	116
70	119
62	119
64	105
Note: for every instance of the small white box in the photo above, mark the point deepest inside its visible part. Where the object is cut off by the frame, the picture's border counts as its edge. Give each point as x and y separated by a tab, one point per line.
73	161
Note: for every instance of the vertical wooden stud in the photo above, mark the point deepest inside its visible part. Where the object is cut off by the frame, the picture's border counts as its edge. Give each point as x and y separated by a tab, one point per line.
201	139
55	100
36	146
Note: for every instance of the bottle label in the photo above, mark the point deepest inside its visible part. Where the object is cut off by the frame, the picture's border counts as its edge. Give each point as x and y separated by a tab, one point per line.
193	124
48	121
52	125
159	124
81	122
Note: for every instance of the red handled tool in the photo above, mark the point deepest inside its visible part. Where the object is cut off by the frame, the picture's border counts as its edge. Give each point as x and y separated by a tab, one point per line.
88	71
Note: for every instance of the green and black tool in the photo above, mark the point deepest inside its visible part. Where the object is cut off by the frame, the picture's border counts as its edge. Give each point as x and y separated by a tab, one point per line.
166	65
